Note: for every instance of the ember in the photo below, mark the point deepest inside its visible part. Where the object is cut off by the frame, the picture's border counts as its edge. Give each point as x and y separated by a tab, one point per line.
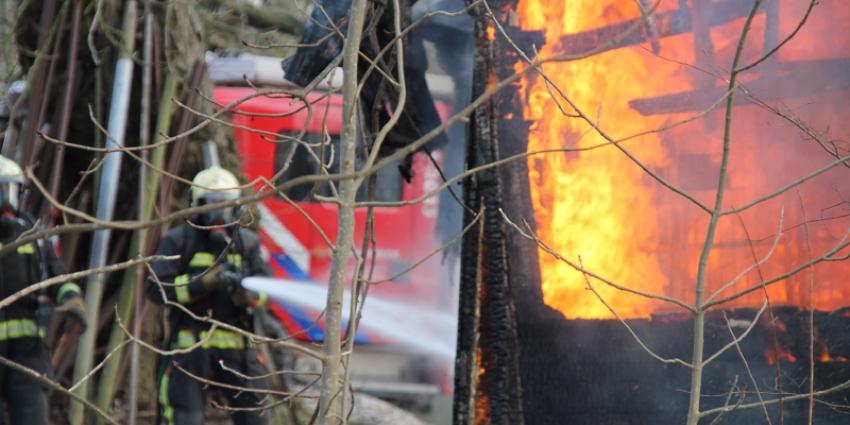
771	357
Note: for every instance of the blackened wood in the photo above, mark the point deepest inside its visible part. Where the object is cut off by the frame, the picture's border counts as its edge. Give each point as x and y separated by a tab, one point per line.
703	45
465	358
487	386
598	375
667	24
810	78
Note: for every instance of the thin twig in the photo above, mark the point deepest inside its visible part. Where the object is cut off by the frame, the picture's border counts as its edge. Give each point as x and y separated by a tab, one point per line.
741	396
736	340
811	315
56	280
756	265
787	187
770	53
828	256
99	365
629	328
432	253
788	397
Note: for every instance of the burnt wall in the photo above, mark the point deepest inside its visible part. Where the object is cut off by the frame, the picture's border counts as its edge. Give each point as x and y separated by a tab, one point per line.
592	372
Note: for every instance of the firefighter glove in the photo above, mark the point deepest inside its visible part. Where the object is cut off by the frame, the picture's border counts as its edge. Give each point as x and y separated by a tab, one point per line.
220	277
244	298
75	308
210	279
230	279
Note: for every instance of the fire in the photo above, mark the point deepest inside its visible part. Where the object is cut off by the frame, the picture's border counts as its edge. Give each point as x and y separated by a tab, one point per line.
822	352
592	203
771	357
482	398
825	357
597	205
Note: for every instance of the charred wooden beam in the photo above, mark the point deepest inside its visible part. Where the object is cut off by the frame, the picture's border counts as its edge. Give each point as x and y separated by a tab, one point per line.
665	24
771	26
525	40
487	382
703	45
809	77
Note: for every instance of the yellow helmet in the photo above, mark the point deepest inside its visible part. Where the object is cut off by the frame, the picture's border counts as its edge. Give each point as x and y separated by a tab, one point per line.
215	184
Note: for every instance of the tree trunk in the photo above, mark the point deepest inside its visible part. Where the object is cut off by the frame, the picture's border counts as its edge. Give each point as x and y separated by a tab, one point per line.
330	401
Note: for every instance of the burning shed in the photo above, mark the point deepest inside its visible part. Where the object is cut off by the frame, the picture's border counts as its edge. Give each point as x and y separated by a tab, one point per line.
685	185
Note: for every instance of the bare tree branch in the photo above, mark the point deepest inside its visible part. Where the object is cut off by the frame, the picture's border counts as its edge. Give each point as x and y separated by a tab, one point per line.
44	284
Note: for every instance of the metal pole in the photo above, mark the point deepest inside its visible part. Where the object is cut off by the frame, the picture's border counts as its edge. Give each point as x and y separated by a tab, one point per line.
210	152
106	204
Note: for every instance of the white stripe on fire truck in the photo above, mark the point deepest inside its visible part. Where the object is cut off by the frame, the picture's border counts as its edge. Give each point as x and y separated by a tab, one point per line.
283	238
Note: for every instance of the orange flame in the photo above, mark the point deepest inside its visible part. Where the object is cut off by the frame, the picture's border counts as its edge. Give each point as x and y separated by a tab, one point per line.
597	205
482	398
823	354
586	201
772	357
825	357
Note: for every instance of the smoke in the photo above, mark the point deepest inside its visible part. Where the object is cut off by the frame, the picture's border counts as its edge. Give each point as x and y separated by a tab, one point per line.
449	44
447	41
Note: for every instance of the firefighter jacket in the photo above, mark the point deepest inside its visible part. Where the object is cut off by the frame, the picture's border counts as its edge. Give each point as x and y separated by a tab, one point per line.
180	282
26	265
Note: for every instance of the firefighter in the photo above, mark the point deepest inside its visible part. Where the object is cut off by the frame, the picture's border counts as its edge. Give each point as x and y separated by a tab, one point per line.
215	254
20	332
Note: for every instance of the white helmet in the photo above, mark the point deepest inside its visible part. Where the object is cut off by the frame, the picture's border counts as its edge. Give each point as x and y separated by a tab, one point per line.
11	181
215	184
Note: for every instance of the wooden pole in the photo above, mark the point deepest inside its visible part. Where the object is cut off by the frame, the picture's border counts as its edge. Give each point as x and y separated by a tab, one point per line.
106	204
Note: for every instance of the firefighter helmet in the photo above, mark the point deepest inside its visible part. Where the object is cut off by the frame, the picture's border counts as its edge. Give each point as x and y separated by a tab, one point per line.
215	184
11	182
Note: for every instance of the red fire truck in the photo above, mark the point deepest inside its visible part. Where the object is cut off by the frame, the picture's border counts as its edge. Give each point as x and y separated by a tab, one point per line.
298	252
